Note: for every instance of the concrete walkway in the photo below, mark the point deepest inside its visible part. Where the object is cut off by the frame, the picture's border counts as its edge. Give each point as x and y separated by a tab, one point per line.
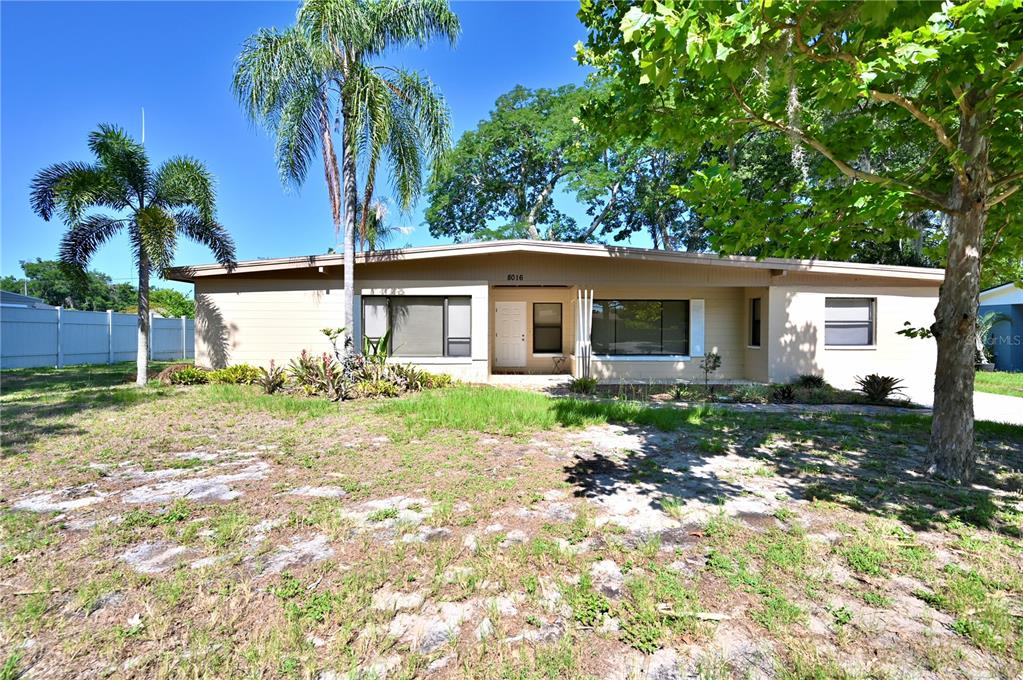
998	408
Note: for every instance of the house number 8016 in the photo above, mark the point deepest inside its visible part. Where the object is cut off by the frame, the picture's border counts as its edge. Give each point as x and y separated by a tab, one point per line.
516	277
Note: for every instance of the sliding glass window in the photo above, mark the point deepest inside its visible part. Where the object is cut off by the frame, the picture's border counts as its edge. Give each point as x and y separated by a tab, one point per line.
640	327
421	326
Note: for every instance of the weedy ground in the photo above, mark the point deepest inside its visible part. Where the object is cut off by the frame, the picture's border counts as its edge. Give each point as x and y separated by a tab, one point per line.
477	532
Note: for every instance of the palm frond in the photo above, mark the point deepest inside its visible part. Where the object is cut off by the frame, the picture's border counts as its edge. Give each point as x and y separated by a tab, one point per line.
121	157
397	22
209	233
184	181
72	188
405	156
427	107
298	134
85	237
157	230
345	26
272	66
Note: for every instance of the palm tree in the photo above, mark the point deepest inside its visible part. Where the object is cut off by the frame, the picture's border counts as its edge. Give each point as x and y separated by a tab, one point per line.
373	230
320	77
154	207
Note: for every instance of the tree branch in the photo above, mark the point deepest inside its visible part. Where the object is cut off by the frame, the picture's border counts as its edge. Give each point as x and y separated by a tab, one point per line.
842	166
1008	179
599	219
939	129
1002	196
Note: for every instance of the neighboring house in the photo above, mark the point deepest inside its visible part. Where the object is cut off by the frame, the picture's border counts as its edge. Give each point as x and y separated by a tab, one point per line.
477	309
9	299
1007	334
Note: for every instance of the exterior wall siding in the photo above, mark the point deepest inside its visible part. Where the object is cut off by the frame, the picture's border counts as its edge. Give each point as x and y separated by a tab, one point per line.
254	318
796	336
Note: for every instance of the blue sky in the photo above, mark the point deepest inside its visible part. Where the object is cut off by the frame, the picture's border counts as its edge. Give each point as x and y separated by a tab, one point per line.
64	67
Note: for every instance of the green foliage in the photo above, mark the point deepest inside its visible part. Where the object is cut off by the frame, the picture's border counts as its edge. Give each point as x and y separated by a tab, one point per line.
189	375
583	385
810	381
238	374
62	286
879	388
710	363
377	388
783	394
271	379
588	606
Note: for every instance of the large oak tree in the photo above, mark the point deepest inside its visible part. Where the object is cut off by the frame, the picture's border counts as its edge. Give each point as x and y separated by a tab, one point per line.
847	82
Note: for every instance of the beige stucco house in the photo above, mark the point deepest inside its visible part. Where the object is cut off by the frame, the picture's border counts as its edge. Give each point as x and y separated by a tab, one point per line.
620	314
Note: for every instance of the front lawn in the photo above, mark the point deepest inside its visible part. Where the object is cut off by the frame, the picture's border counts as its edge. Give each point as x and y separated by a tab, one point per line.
212	531
999	382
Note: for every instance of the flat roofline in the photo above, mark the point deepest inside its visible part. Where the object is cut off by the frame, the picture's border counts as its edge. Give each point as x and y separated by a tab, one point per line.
190	273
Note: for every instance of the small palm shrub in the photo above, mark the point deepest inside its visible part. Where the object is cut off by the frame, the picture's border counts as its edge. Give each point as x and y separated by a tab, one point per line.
323	376
239	374
810	381
189	375
583	385
783	394
407	377
879	388
681	392
271	379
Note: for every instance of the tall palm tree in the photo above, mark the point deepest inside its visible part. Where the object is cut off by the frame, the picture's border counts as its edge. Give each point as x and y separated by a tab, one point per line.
321	77
153	206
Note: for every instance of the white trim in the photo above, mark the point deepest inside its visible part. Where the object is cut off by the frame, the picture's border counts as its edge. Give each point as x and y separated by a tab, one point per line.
846	348
547	355
642	357
429	360
754	346
697	308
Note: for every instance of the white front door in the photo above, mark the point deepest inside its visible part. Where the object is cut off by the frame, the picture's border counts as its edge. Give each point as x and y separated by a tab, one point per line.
510	334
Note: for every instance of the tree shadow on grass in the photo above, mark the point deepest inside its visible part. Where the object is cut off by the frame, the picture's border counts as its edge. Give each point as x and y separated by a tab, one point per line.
871	464
39	404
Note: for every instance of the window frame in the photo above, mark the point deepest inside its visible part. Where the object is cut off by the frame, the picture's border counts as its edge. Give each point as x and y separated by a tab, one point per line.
756	323
871	323
446	338
633	355
561	331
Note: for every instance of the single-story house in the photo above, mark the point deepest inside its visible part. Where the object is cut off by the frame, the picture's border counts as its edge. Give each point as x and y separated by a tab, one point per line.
475	310
1007	335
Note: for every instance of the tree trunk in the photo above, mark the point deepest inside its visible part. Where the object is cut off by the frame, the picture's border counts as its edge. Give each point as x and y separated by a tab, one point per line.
952	454
351	199
142	360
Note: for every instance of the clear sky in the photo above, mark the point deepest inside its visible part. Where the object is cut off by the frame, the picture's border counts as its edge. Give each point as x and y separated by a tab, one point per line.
65	67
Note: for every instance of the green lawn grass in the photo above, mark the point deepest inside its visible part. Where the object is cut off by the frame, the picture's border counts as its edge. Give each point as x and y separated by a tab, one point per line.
1000	382
506	411
29	382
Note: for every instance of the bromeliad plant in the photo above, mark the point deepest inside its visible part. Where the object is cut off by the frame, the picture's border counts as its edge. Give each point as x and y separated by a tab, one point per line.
154	206
879	388
376	353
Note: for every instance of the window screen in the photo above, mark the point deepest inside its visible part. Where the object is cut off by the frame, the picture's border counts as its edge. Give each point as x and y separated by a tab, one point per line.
421	326
547	328
848	321
754	322
640	327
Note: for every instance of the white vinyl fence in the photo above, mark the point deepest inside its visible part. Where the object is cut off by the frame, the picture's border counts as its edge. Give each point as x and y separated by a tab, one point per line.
61	337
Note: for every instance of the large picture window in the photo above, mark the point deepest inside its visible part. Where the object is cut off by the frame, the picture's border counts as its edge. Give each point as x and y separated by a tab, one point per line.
640	327
547	328
848	322
421	325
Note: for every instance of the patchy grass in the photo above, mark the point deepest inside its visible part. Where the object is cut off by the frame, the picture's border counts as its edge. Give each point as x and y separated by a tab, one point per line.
786	535
510	412
999	382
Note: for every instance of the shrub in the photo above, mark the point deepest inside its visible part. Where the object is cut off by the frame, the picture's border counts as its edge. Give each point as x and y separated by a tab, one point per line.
407	377
435	381
879	388
750	394
681	392
583	385
189	375
164	376
377	388
783	394
810	381
239	374
710	363
272	379
322	375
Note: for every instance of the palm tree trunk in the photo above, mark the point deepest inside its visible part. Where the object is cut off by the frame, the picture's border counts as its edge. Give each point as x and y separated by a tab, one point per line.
952	452
351	200
142	360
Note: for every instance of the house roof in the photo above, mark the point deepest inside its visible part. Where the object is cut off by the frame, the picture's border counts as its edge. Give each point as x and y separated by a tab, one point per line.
190	273
1005	294
9	298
